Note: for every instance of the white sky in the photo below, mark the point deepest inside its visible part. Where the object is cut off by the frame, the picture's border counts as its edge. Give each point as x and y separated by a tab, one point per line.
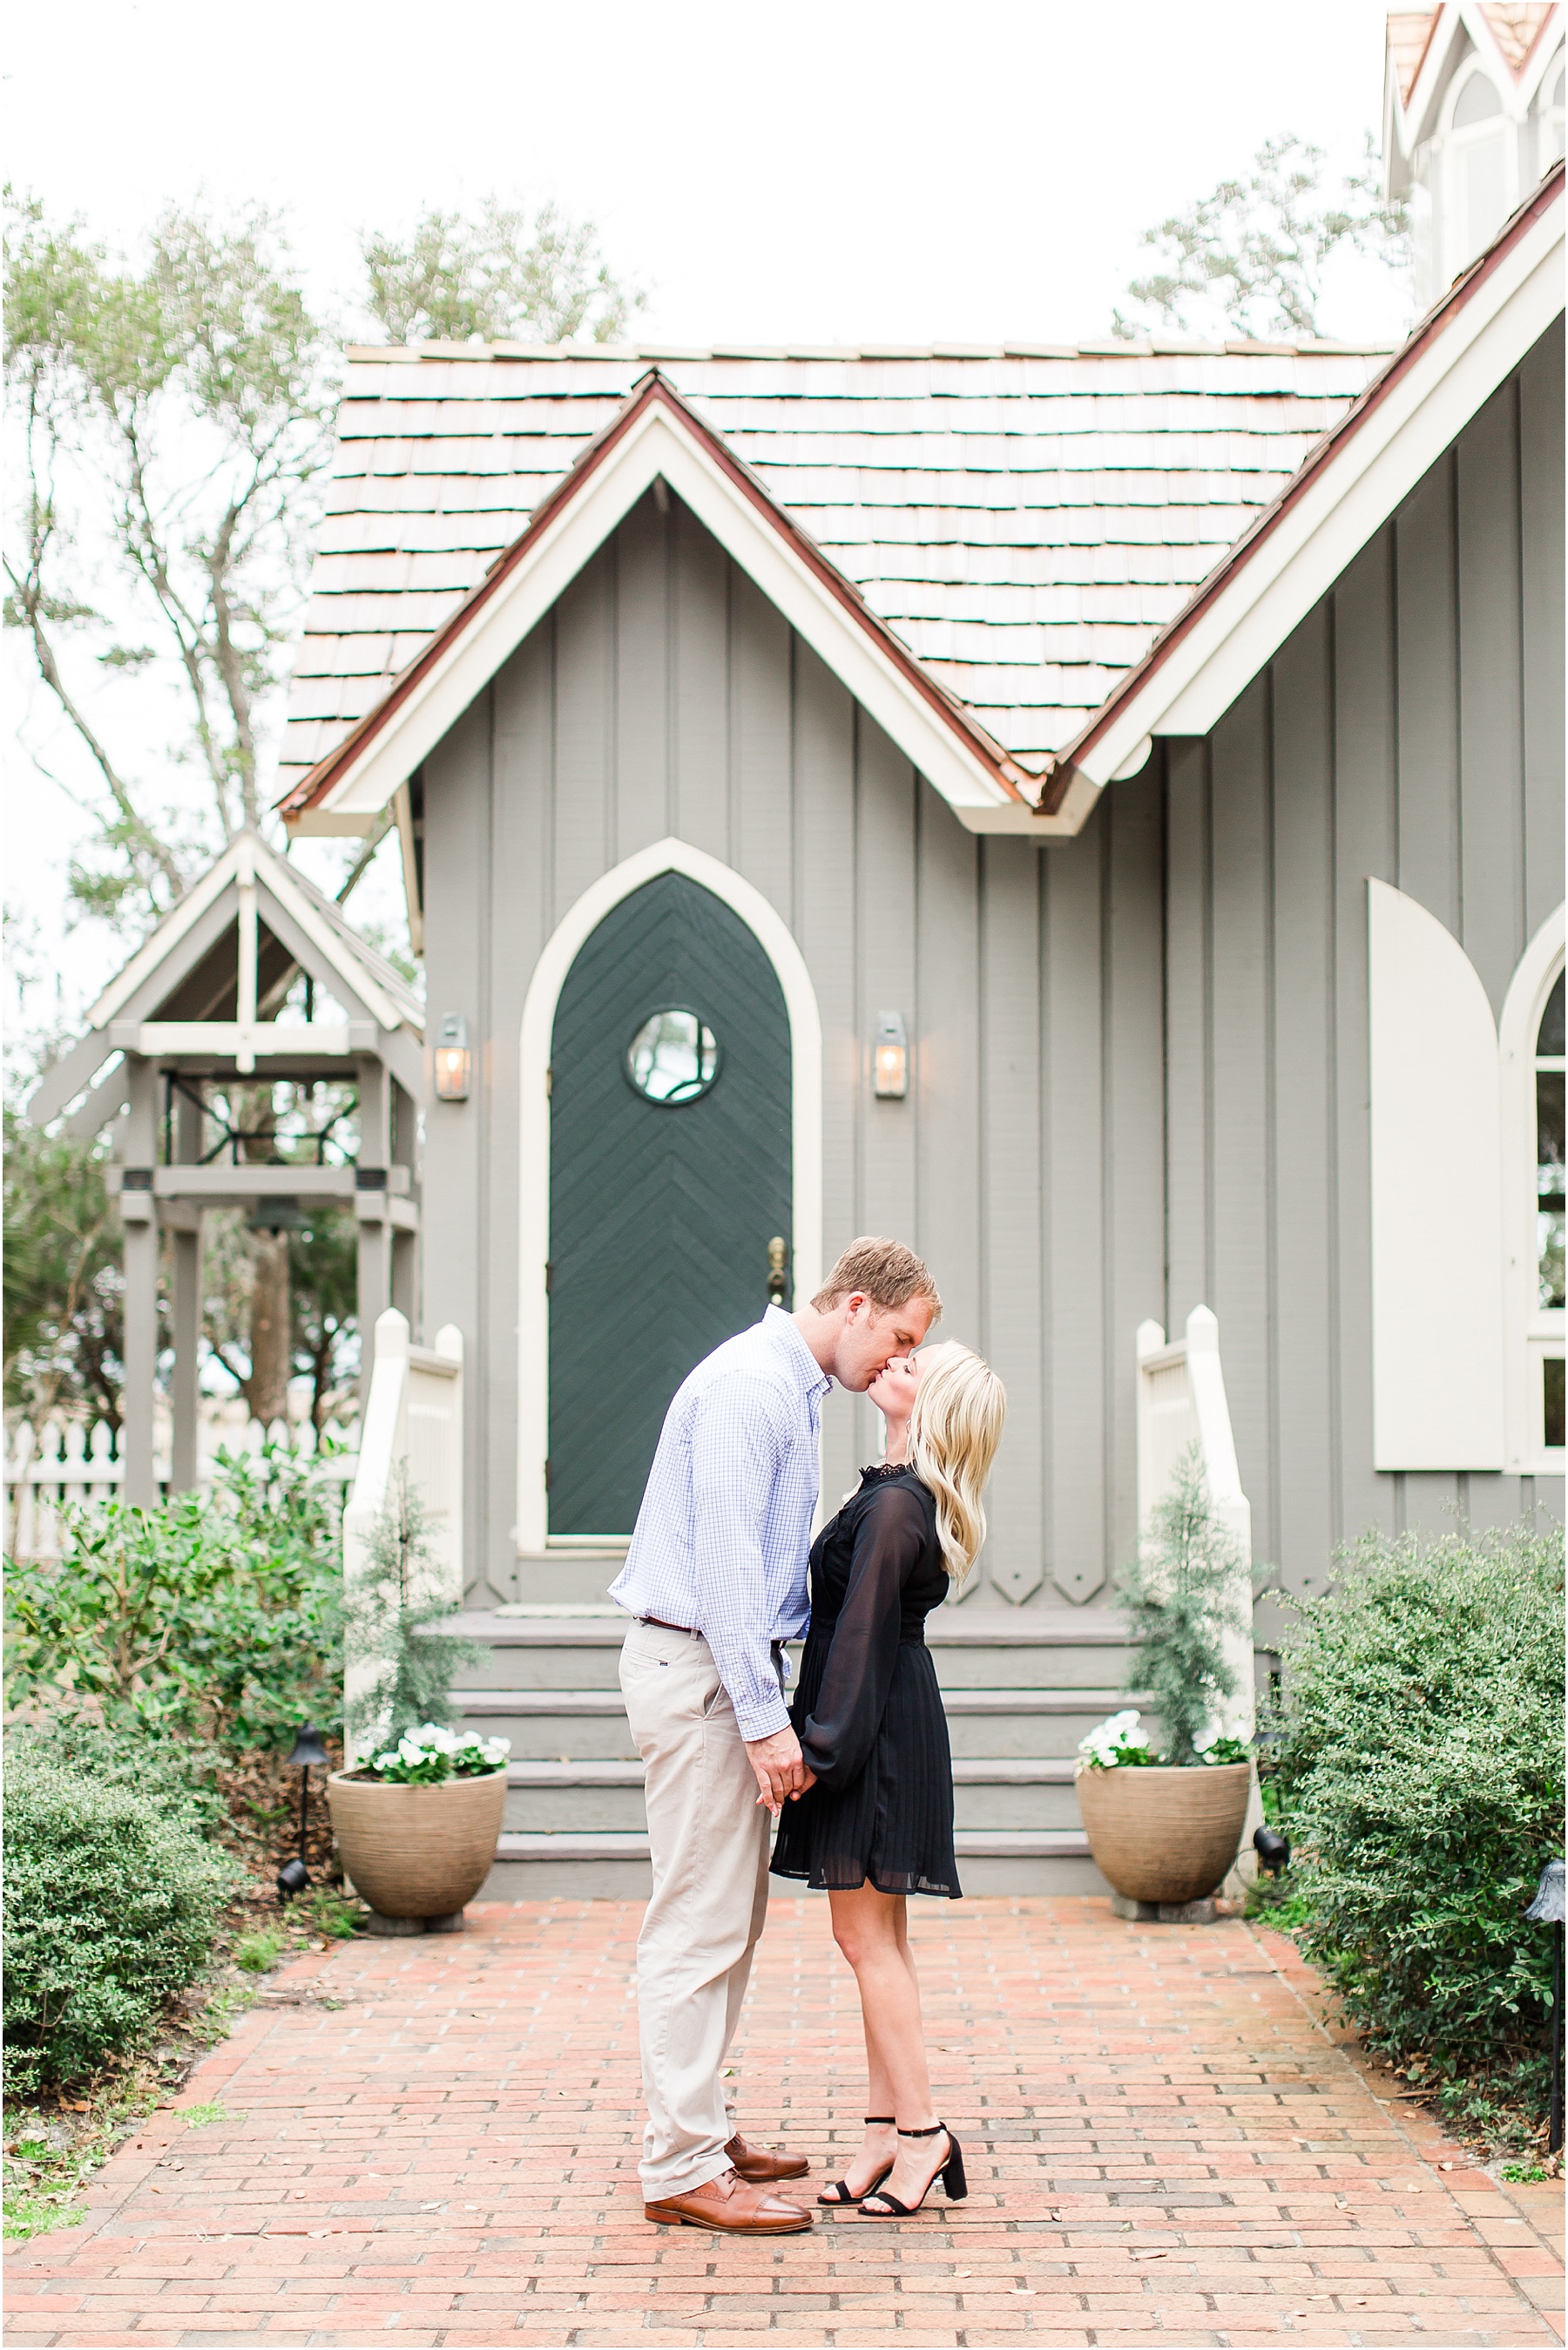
833	171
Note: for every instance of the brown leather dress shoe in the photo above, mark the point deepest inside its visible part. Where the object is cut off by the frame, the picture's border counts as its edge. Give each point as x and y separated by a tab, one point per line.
755	2163
734	2206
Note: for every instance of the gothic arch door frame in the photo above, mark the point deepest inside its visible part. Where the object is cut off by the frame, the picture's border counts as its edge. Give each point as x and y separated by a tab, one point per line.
777	943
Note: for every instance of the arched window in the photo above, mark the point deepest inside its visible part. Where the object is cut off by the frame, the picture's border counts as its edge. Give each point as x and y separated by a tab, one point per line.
1482	170
1549	1213
1532	1067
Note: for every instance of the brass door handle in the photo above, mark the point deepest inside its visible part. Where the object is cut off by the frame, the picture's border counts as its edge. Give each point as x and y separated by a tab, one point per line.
778	1279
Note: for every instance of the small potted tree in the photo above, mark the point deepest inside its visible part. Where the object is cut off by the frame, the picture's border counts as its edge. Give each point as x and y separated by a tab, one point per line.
418	1808
1164	1822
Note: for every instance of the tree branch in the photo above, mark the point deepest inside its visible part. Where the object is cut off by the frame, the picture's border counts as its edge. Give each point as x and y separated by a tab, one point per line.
28	599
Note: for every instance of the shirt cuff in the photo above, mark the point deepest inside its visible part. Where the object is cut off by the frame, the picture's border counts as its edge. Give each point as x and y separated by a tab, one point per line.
762	1720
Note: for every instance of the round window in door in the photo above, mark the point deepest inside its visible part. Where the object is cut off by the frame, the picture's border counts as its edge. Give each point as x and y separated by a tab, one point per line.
669	1175
673	1057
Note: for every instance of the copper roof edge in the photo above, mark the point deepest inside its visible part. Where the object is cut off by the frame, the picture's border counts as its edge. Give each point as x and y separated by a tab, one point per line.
1323	451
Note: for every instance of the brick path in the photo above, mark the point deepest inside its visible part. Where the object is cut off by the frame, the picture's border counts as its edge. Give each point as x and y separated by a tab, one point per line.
1163	2147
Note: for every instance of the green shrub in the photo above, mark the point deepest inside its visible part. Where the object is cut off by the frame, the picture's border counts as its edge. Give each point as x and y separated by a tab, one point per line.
111	1902
216	1618
1420	1768
178	1776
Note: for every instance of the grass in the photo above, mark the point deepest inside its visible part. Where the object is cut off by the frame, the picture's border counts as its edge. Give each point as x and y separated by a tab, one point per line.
205	2116
324	1910
257	1951
47	2167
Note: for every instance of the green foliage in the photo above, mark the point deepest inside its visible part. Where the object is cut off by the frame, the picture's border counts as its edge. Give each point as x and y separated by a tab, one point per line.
214	1617
324	1910
63	1325
178	1774
257	1952
1419	1767
1180	1599
393	1610
111	1903
1249	258
497	276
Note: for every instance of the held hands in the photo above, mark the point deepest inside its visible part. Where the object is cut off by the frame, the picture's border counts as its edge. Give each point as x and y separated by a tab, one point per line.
781	1769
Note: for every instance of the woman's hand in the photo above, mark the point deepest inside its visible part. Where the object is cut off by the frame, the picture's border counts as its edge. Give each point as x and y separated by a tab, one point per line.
780	1767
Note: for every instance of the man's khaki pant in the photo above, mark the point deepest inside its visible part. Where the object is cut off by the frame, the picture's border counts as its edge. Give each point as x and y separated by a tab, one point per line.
709	1837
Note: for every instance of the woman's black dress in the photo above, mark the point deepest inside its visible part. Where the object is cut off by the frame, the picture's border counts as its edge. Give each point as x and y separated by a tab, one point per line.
868	1713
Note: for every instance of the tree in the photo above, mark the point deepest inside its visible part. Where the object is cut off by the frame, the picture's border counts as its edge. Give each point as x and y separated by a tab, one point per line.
188	403
64	1326
1249	256
493	277
174	415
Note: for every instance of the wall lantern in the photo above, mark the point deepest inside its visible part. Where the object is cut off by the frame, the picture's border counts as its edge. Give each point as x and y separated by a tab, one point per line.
452	1059
891	1063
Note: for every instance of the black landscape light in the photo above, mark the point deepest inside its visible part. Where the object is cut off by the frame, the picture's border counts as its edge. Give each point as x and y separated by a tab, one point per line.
1272	1848
308	1751
1547	1909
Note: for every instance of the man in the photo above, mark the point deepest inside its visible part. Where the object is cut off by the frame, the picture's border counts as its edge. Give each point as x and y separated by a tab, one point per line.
716	1576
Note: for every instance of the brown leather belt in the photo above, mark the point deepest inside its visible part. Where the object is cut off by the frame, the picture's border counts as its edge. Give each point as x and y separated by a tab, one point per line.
690	1631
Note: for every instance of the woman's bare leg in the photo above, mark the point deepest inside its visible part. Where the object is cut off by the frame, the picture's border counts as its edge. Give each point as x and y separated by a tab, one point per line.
871	1929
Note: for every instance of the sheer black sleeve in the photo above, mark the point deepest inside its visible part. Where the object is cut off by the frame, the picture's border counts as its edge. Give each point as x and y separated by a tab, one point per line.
838	1735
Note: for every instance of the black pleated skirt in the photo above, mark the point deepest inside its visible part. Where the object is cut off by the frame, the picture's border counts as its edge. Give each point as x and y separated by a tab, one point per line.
892	1826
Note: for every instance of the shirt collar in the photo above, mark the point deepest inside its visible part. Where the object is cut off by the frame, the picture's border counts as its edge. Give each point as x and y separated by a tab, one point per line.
782	1326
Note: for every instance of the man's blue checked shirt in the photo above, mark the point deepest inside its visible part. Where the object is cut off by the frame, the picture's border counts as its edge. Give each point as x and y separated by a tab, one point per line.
722	1539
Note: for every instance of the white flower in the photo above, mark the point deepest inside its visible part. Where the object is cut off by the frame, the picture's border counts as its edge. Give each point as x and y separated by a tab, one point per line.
1105	1742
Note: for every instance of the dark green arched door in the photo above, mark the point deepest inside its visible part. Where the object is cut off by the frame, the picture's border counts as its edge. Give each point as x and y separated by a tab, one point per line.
669	1174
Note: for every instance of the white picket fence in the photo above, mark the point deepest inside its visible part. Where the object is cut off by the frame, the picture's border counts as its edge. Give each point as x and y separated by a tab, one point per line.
64	1462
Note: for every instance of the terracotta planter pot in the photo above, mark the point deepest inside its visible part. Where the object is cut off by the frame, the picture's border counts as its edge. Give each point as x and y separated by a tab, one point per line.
1165	1835
417	1851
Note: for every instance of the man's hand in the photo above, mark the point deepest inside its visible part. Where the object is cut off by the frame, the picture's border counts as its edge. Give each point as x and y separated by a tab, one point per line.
780	1767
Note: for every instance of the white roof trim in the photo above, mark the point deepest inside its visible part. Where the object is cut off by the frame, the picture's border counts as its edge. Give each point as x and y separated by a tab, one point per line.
1355	491
652	447
248	850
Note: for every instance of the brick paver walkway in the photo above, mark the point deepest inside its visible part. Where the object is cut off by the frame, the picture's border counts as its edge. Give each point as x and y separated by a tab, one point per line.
1163	2147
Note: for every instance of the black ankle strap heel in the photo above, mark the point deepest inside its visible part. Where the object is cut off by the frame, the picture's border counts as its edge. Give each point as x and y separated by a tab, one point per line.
840	2192
949	2170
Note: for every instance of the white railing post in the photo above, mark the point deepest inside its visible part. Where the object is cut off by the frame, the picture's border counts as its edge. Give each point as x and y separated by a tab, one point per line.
1230	1505
413	1417
1181	1401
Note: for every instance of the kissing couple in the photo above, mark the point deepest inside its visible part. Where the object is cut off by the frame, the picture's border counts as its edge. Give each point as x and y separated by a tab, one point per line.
856	1772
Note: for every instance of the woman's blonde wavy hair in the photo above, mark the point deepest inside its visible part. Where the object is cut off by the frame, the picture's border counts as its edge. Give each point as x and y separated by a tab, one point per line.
954	1430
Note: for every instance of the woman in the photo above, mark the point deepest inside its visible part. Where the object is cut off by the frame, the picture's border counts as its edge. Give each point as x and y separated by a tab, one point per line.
878	1822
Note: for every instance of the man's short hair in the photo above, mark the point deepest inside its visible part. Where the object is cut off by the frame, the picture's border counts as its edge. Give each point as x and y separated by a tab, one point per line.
886	1272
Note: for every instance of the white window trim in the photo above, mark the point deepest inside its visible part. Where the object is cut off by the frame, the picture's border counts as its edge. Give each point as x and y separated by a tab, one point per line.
1502	125
777	943
1528	1332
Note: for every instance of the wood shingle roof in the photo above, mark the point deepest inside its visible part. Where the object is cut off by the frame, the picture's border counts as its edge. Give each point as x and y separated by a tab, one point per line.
1025	521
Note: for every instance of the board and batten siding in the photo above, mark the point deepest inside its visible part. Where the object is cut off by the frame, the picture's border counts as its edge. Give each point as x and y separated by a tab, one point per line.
1411	730
1139	1058
665	695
